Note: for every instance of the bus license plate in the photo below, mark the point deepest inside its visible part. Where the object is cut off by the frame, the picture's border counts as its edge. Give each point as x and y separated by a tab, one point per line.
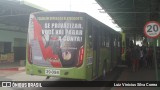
52	72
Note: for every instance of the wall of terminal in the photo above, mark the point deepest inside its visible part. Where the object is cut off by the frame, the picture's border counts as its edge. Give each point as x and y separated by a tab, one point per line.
14	37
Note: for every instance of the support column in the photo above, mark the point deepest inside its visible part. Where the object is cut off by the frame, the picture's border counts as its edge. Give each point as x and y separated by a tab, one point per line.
154	17
134	39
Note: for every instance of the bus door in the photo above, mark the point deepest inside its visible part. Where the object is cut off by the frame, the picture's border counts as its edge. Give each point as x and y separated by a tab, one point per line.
96	51
112	51
119	50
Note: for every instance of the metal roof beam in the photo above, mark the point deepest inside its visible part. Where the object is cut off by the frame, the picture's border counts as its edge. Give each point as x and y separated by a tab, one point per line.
154	9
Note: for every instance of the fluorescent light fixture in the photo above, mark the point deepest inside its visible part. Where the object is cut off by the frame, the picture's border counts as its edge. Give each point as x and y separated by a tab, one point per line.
90	7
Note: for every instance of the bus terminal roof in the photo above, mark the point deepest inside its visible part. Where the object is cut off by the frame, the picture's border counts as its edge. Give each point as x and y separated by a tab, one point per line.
14	14
131	15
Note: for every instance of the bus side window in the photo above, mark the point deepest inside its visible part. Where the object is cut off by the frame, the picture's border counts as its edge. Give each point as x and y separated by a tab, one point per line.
102	38
90	34
107	39
95	37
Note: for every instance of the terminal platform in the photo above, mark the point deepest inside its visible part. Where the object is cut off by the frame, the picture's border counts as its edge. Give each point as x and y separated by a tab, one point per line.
144	74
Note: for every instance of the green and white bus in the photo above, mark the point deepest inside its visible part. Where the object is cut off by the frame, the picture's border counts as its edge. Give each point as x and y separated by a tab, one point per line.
70	45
